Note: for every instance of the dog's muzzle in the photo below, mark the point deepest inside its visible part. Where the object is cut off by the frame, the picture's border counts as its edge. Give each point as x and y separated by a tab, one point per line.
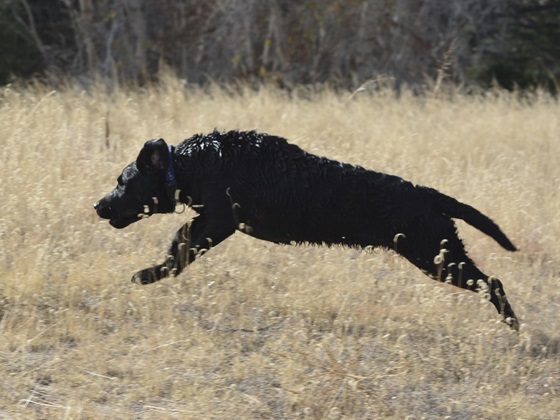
103	212
116	219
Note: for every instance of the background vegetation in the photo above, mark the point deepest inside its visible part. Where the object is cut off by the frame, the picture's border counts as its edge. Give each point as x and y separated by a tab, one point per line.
256	330
512	43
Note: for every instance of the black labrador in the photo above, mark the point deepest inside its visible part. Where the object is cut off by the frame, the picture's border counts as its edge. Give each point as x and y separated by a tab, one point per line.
273	190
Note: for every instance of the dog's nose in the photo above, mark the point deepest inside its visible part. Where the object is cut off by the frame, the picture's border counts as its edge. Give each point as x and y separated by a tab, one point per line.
96	205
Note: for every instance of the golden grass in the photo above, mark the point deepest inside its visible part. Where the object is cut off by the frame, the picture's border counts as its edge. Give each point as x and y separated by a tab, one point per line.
255	330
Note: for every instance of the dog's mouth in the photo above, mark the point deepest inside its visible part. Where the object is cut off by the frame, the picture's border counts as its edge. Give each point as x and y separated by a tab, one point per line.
122	223
123	218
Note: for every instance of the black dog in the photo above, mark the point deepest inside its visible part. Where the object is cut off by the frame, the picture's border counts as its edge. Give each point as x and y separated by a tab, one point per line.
272	190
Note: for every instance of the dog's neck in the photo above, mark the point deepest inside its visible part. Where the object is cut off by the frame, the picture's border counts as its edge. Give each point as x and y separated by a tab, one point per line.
170	181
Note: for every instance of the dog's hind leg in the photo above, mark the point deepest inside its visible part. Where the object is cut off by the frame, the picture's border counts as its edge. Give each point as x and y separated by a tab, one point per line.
192	240
432	244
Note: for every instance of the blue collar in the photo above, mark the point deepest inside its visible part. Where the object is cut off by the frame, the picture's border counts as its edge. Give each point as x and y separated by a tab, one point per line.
170	181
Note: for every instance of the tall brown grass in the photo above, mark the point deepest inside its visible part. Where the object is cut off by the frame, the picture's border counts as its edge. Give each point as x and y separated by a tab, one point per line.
255	330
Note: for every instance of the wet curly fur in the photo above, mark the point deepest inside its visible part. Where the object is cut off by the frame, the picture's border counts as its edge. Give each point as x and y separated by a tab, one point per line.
273	190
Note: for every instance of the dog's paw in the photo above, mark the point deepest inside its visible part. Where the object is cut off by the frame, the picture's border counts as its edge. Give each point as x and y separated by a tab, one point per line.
148	275
512	322
141	277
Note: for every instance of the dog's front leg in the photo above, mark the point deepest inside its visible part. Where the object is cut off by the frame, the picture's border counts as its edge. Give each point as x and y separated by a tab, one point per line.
193	239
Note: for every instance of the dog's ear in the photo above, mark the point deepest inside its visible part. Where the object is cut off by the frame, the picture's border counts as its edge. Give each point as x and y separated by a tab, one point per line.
153	157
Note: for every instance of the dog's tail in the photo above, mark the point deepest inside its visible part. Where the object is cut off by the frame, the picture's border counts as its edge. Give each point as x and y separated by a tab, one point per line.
472	216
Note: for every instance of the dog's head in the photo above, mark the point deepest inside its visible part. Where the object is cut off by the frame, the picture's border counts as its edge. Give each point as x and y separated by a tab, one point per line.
141	190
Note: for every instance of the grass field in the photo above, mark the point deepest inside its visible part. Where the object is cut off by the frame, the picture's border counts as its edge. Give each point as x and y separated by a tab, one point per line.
256	330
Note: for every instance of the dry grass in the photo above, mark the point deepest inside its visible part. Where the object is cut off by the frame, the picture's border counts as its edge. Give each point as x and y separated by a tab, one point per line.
255	330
